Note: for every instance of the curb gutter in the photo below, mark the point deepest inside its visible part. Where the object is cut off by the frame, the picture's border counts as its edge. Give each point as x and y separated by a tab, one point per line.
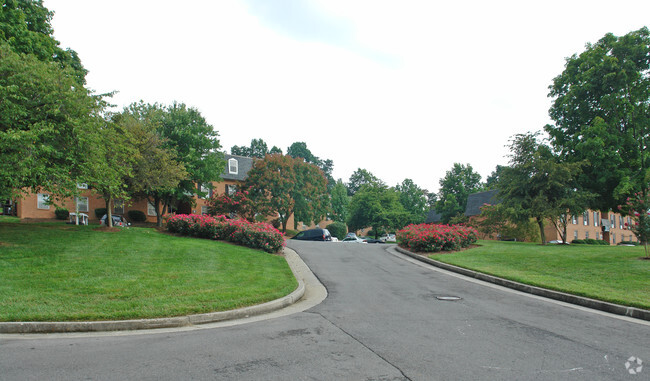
172	322
617	309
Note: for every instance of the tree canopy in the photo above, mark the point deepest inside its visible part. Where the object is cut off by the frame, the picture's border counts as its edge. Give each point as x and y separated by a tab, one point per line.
601	110
414	200
283	185
377	206
359	178
257	148
459	182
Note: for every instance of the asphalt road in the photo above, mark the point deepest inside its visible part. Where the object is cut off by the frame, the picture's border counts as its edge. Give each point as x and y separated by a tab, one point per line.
382	320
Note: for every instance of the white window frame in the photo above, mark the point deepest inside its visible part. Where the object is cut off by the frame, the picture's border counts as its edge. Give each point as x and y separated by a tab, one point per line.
82	186
204	209
585	218
42	199
574	219
233	166
231	189
207	191
82	204
151	210
595	218
586	235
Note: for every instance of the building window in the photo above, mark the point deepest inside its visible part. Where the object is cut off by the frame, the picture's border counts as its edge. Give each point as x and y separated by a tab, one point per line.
42	201
151	210
204	209
613	237
82	186
233	166
82	204
575	234
586	235
574	219
231	189
205	190
585	218
118	206
612	220
620	222
595	218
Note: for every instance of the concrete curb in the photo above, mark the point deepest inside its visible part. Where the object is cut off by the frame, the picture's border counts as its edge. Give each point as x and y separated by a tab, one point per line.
172	322
617	309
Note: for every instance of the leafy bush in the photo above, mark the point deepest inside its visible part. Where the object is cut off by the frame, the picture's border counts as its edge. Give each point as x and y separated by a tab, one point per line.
99	212
589	241
62	213
578	242
434	238
628	243
338	230
254	235
136	216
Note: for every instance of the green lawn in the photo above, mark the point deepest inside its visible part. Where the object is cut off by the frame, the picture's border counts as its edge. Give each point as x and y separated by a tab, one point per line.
58	272
609	273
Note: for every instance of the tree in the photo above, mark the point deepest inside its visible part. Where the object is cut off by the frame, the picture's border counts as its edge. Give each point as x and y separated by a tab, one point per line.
601	110
493	179
257	148
192	142
236	204
279	183
25	27
109	165
377	206
459	182
44	115
156	173
299	149
539	185
359	178
506	223
275	150
638	207
414	200
340	202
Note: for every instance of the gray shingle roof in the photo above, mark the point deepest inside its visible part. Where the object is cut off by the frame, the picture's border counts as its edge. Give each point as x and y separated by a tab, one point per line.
476	200
244	165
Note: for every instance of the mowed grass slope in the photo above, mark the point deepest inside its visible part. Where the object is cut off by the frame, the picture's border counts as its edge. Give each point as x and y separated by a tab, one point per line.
58	272
610	273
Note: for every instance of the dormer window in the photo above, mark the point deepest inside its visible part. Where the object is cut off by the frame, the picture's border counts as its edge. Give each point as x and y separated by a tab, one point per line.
233	166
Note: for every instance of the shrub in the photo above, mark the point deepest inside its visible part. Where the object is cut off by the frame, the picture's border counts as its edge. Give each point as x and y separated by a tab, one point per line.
99	212
578	242
136	216
434	238
338	230
628	243
62	213
261	236
589	241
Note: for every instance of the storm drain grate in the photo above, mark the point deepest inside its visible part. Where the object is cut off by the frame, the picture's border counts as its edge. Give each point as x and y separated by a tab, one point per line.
448	298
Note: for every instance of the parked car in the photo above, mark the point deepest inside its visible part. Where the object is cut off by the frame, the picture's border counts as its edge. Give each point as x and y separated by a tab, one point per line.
372	240
354	239
388	238
118	220
314	235
351	235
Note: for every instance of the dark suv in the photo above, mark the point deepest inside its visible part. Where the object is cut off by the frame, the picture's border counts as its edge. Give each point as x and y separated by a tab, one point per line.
314	235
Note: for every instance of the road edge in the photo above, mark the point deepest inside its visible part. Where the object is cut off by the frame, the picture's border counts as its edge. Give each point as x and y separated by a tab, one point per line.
600	305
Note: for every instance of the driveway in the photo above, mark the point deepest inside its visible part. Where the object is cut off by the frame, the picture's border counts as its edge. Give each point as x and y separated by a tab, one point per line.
382	320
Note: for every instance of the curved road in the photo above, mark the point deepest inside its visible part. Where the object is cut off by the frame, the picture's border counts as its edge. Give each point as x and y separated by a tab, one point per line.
382	320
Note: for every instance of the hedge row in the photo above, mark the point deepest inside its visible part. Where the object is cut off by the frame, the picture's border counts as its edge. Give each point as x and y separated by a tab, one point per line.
589	241
434	238
254	235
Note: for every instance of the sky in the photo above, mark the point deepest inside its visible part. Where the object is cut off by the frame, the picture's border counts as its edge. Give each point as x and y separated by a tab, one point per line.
403	89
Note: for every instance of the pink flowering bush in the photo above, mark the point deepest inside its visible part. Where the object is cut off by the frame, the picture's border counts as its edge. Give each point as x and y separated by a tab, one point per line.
254	235
434	238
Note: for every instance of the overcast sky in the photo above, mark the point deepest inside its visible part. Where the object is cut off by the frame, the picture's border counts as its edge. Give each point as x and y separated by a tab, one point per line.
402	88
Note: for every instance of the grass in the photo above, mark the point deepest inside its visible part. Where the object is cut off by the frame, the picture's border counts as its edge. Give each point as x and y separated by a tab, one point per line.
610	273
59	272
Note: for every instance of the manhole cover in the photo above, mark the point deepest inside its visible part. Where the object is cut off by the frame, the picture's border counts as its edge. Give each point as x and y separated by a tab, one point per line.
449	298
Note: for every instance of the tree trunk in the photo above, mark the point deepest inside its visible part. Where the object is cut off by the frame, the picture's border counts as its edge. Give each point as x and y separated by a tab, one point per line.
109	212
76	210
156	206
540	223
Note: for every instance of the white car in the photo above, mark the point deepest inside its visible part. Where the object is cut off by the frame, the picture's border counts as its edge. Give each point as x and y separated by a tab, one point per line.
354	239
388	238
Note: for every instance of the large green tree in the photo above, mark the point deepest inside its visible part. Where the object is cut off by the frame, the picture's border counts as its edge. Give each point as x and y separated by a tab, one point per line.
258	148
377	206
25	25
340	202
459	182
44	115
278	184
414	200
539	185
192	142
359	178
601	109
